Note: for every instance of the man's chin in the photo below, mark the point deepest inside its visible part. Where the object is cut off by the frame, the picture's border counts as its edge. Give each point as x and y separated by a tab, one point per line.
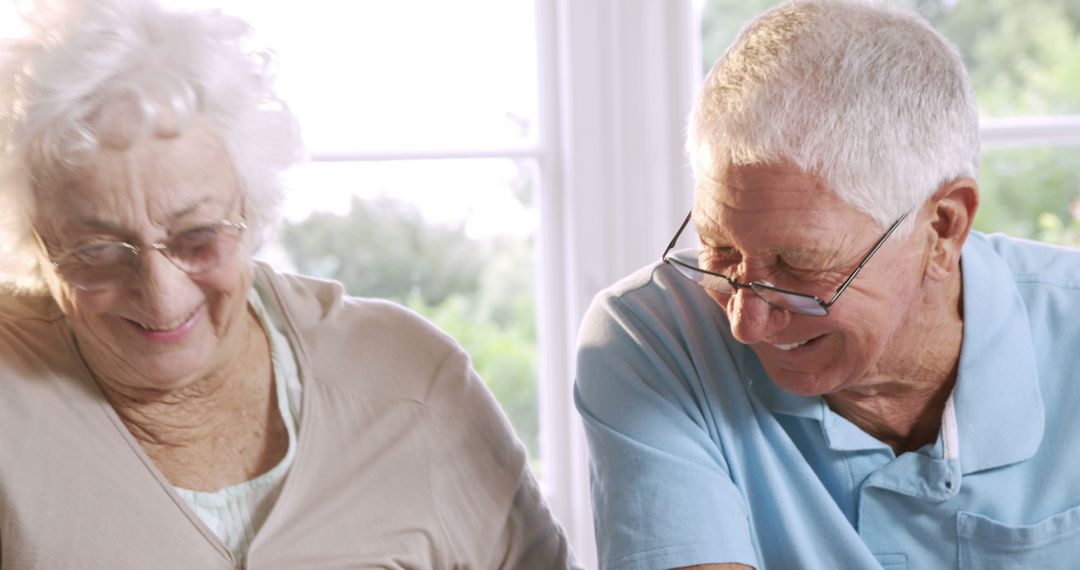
799	383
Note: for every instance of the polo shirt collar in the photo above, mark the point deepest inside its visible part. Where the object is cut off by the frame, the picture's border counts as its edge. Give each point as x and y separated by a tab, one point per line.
1000	415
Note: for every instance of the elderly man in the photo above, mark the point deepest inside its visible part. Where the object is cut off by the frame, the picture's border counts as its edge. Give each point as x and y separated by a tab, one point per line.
840	373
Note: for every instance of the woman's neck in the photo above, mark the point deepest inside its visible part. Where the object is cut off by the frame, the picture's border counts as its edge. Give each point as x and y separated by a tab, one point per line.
222	429
196	410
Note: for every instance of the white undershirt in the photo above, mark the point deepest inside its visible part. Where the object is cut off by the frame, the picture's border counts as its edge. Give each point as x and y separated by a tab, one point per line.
236	513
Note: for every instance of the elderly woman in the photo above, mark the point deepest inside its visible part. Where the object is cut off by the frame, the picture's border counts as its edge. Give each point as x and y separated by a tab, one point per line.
166	402
840	374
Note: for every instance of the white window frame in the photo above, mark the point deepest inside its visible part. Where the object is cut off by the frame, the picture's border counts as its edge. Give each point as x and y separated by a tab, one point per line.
1059	130
617	78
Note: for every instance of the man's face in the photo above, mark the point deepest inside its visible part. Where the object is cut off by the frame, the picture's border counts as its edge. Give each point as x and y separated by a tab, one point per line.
778	224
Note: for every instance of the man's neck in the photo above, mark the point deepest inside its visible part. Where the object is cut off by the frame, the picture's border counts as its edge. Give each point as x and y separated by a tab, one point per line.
901	403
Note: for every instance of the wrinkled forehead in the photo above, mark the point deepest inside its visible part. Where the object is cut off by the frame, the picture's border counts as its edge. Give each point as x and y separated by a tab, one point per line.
777	185
160	172
767	198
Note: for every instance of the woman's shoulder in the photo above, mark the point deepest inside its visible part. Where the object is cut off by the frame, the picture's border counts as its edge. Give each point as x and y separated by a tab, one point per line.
31	327
314	303
339	332
17	305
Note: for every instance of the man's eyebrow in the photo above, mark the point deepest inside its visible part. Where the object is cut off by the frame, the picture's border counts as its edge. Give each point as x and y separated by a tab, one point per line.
797	255
816	257
710	235
795	251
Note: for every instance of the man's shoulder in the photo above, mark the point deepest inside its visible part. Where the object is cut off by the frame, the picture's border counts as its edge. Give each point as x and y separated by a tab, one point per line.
657	302
1029	261
655	289
641	282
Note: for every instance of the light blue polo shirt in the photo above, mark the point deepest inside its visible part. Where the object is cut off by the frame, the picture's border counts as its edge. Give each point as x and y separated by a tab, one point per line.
697	457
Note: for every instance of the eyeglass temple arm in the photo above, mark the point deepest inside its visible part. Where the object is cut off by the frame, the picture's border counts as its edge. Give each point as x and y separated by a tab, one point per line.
671	245
866	259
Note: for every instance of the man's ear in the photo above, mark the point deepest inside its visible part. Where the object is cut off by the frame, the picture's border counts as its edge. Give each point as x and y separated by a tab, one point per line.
951	212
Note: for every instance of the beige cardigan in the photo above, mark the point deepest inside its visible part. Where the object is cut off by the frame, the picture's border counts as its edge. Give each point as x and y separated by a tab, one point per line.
404	461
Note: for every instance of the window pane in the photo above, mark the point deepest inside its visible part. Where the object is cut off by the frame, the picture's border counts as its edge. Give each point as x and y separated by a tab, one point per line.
451	239
374	75
1024	57
1030	192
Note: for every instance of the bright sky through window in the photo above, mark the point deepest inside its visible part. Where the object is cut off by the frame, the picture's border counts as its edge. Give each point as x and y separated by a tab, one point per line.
389	78
413	77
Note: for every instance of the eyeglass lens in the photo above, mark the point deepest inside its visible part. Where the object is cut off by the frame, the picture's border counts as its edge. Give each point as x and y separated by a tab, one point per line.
791	302
104	265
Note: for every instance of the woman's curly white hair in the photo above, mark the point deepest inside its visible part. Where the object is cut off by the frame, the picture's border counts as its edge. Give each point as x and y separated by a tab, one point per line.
57	82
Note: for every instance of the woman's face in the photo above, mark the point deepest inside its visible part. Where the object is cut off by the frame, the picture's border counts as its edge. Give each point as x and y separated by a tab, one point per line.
160	328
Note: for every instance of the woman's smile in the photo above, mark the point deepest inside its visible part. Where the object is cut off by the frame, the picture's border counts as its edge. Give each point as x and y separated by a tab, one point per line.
171	332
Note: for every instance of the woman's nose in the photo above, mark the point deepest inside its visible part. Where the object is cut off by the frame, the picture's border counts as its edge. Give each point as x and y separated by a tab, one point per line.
752	319
158	282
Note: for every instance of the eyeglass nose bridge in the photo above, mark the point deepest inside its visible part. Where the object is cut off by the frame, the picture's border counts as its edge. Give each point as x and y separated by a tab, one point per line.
160	247
753	287
798	303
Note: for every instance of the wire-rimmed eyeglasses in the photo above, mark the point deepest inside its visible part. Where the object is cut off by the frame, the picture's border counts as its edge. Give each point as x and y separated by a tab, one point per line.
101	264
793	301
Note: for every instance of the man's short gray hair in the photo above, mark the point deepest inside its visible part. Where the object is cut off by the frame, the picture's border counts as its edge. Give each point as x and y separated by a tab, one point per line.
865	95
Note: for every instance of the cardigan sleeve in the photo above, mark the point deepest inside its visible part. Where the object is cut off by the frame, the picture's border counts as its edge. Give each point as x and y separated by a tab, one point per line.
488	500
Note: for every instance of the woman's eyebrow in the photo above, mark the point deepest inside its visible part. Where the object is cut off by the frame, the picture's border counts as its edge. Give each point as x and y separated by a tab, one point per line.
208	203
99	224
187	211
113	227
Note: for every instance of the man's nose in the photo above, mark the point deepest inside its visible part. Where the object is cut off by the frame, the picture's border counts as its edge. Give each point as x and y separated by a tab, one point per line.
752	319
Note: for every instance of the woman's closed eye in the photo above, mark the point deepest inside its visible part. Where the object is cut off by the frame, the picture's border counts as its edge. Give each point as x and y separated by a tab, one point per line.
193	239
101	253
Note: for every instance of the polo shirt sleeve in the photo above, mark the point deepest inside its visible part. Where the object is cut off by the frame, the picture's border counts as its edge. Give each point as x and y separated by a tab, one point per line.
661	490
